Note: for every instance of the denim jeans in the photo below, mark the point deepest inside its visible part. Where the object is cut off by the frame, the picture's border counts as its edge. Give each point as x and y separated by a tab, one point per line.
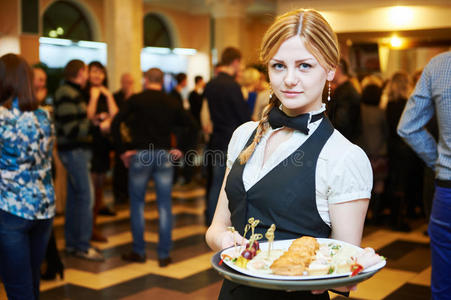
22	248
79	201
218	171
145	165
440	234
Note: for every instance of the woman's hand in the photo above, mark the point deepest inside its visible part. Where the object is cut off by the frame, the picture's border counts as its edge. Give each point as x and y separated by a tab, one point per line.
228	239
340	289
105	91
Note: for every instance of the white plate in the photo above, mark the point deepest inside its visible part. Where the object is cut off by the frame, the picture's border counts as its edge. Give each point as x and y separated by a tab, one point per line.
283	245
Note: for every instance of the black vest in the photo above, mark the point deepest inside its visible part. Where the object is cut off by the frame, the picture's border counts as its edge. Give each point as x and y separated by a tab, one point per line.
286	196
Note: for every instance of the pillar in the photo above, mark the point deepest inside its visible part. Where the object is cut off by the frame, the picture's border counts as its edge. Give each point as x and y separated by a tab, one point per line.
124	37
229	23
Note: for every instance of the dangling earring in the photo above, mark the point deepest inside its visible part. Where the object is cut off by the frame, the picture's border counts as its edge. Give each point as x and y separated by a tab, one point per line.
270	92
328	92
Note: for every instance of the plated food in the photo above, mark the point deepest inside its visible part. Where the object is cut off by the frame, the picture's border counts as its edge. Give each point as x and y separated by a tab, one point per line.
305	258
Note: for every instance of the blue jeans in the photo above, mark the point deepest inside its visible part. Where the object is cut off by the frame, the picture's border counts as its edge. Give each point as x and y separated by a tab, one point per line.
79	201
147	164
440	234
22	248
218	171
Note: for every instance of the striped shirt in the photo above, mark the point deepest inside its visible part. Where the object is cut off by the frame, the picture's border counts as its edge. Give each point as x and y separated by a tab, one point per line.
432	95
73	128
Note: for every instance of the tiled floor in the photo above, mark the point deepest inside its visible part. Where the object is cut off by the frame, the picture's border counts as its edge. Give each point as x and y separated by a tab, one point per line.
406	276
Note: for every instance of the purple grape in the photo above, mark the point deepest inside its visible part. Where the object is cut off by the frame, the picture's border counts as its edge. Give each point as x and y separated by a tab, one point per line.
247	254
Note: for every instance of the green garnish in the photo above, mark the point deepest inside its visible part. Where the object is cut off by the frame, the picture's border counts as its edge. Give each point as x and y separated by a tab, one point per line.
331	270
336	247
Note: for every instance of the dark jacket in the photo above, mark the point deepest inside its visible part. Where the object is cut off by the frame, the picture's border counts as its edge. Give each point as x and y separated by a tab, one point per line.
228	110
344	111
155	116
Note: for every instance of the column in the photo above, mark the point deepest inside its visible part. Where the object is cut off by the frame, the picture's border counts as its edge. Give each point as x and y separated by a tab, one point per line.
124	37
229	23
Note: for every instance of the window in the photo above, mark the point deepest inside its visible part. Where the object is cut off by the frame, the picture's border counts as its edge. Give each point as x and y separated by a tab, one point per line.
156	33
65	20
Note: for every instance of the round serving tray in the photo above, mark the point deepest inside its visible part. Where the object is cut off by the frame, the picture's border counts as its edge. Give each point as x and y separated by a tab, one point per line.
288	285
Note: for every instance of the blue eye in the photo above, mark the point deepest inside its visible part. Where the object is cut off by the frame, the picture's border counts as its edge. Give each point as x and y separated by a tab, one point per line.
278	66
304	66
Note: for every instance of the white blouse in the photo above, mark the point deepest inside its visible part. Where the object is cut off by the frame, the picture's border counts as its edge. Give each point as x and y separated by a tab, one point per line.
343	171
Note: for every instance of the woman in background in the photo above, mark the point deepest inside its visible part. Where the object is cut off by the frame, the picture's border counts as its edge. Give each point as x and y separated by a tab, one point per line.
374	142
249	81
405	179
26	189
101	110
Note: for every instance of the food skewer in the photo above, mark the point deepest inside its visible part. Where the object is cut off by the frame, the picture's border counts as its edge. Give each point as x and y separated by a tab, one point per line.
270	237
232	230
246	229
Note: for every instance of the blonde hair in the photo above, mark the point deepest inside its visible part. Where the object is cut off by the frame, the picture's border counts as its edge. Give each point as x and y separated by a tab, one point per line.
319	39
250	77
399	86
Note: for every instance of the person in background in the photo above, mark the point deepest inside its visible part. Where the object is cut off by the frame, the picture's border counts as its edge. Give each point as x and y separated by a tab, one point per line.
74	138
40	84
195	98
404	186
374	142
126	90
53	263
183	172
344	107
249	81
120	172
263	92
155	117
177	91
432	96
227	110
372	79
27	196
325	196
101	110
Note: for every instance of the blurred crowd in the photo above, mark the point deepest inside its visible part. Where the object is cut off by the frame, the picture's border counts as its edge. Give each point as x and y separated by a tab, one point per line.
125	139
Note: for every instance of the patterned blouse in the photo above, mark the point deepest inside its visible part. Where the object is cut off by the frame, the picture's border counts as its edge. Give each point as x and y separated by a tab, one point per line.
26	143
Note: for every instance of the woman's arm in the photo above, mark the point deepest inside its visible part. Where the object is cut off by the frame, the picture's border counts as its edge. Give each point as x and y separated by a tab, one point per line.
347	220
217	236
112	107
94	94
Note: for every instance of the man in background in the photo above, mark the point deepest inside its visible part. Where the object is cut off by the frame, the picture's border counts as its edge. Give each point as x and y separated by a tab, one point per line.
195	98
432	96
227	110
74	137
155	117
120	172
344	106
177	91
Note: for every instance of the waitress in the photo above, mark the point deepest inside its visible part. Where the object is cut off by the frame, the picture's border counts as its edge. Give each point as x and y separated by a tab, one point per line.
292	168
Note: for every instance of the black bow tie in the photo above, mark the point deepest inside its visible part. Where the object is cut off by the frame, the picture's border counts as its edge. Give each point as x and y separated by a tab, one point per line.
278	118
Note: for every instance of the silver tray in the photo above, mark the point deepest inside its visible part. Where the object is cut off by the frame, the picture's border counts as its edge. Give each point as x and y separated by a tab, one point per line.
287	285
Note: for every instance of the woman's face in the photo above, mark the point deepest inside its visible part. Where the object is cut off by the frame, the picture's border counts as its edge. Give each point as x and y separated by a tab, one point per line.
297	78
96	76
